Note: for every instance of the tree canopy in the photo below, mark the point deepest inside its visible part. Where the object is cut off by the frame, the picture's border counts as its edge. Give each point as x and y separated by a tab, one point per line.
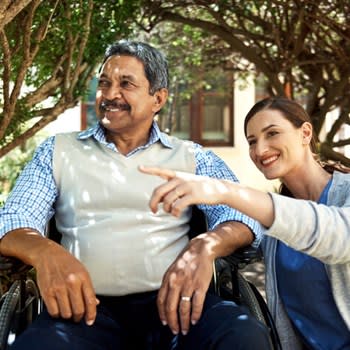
49	51
300	47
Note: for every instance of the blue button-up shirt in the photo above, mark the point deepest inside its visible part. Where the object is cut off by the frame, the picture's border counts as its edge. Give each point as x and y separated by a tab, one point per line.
31	202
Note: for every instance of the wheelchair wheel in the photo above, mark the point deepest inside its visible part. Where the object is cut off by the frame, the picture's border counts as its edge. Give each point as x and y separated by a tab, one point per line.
19	307
249	299
230	284
10	302
31	307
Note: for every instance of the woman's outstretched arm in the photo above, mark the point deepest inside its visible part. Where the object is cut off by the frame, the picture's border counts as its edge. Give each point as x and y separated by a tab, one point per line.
184	189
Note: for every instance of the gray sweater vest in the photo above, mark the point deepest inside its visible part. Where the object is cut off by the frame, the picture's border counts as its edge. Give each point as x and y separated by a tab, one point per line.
103	214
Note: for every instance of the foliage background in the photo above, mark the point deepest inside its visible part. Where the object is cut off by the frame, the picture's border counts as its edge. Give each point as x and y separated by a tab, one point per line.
299	48
50	49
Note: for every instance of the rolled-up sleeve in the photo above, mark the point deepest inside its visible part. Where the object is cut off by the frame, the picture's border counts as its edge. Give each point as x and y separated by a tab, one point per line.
209	164
30	203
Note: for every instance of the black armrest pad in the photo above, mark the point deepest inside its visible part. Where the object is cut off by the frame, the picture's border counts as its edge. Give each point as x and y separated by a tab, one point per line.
244	256
12	269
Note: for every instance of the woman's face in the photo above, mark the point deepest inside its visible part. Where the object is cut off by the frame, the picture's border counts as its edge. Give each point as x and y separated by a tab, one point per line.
276	146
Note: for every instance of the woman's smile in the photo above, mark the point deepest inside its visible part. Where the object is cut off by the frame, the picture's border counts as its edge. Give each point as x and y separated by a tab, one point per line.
268	161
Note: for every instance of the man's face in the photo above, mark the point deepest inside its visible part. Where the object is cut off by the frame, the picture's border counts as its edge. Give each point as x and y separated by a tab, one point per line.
123	102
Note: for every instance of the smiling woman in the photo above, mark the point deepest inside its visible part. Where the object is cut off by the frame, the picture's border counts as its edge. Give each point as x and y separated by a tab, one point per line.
273	147
307	238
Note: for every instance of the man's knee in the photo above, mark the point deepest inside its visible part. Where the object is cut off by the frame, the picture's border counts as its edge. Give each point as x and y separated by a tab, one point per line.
57	334
246	333
225	325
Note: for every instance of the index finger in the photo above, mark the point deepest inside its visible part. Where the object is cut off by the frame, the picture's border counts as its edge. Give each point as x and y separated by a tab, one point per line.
166	174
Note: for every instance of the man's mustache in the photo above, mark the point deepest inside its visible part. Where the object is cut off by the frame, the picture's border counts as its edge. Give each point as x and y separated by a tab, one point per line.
107	105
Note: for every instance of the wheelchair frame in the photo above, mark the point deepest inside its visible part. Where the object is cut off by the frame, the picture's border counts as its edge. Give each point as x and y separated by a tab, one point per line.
21	303
232	285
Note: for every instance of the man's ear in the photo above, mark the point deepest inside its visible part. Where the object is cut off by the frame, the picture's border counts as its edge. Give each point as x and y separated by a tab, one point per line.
307	133
160	98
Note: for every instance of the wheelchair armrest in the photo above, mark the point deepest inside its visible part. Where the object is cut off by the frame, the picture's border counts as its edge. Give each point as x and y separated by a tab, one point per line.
244	256
6	263
11	269
10	264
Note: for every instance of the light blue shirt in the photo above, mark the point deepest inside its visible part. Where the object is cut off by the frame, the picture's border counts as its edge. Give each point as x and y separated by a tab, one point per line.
31	202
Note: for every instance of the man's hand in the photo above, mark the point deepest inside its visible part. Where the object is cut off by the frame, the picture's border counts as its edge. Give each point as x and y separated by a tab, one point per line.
63	281
187	278
191	273
65	286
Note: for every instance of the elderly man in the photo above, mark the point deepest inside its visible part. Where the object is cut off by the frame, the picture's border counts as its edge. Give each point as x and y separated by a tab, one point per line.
124	277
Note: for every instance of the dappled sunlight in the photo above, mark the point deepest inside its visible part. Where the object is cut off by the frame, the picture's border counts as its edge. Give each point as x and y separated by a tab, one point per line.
218	188
243	317
91	218
244	194
76	244
139	217
85	196
93	156
208	190
210	241
71	202
115	173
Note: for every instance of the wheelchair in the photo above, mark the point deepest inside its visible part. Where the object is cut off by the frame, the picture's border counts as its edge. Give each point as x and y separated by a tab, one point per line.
20	300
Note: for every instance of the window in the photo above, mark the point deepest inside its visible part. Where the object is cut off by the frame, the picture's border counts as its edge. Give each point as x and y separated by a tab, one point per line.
207	116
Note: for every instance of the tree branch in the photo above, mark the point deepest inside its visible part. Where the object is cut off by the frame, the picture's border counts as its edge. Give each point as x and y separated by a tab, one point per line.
237	44
9	9
49	115
6	116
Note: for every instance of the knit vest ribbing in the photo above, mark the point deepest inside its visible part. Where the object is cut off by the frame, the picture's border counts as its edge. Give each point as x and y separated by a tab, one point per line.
103	214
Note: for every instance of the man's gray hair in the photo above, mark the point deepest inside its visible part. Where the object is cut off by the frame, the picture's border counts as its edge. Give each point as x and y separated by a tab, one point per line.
154	62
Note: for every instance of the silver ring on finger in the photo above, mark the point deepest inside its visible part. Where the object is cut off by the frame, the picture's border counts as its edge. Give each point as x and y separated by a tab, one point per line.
177	193
183	298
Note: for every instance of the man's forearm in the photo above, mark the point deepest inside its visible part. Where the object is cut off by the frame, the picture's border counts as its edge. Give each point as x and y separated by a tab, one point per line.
24	244
227	237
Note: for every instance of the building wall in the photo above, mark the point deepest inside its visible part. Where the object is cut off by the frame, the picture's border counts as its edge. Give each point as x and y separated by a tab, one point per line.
237	157
68	121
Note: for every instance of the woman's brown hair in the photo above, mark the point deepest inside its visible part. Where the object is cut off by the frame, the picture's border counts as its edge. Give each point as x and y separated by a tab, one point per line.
290	109
297	115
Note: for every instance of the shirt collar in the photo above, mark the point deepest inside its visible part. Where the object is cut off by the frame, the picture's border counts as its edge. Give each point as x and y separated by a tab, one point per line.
98	132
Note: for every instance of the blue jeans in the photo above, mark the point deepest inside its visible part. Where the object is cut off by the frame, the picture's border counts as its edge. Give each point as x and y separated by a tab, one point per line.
132	322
